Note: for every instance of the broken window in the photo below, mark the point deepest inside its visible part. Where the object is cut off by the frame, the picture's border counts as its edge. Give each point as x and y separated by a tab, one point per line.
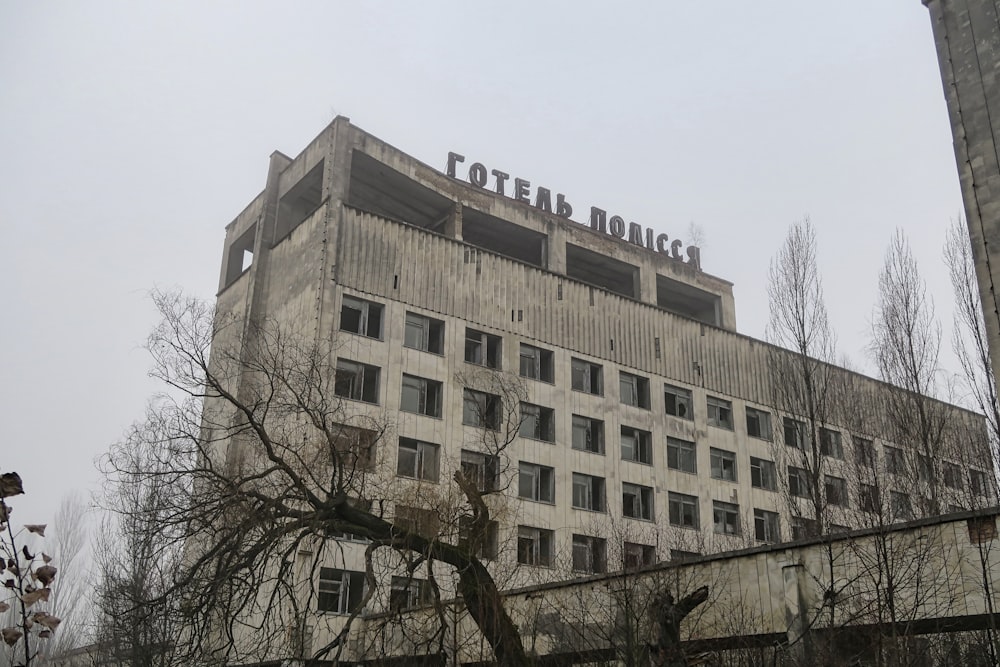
720	413
758	424
481	469
723	464
417	459
536	482
587	377
355	447
356	381
795	433
488	546
417	520
798	482
361	317
683	510
634	390
537	422
952	476
636	445
678	402
589	554
534	546
864	452
803	528
481	409
836	490
482	349
766	526
895	462
899	502
588	434
637	501
725	518
830	443
408	592
536	363
637	555
681	455
340	591
420	396
868	498
762	474
588	492
424	333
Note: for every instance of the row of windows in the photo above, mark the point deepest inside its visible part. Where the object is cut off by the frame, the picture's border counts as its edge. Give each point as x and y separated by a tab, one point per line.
342	591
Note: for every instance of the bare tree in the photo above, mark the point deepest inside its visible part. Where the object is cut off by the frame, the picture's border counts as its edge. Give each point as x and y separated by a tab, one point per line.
69	601
256	463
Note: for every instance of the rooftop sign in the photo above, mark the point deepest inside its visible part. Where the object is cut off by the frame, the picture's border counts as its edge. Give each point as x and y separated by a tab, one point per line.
614	226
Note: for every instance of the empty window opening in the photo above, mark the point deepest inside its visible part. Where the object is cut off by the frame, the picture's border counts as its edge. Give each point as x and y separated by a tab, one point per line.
637	501
589	554
633	390
420	396
534	546
240	255
602	271
299	202
677	402
687	300
424	333
481	409
587	377
588	492
537	422
536	482
588	434
502	237
636	445
380	189
536	363
361	317
482	349
356	381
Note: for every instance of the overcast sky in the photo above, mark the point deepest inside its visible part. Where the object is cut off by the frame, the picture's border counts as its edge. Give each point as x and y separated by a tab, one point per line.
132	133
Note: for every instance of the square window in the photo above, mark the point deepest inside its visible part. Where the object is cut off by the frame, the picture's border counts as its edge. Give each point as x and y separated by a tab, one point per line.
803	528
418	460
723	464
588	434
682	455
798	482
361	317
482	349
424	522
636	555
588	492
766	526
952	476
900	505
536	363
537	423
589	554
758	424
725	518
408	592
355	447
587	377
536	482
340	591
762	475
836	490
424	333
868	499
864	452
683	510
830	443
720	413
636	445
637	501
795	433
895	462
356	381
481	409
677	402
481	469
534	546
634	390
420	396
489	541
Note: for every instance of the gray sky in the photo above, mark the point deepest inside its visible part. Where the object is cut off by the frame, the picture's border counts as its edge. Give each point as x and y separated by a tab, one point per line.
132	133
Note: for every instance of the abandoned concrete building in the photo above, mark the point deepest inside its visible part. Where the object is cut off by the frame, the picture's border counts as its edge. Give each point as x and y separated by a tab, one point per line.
463	303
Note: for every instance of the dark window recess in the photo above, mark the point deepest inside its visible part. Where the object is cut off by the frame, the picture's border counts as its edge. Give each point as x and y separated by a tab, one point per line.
725	518
299	202
417	459
633	390
682	455
424	333
340	591
377	188
420	396
758	424
482	349
537	422
683	510
588	492
482	469
687	300
588	434
240	255
587	377
361	317
795	433
637	501
534	546
502	237
589	554
481	409
637	555
355	447
762	474
720	413
536	363
536	482
636	445
408	592
489	541
356	381
677	402
602	271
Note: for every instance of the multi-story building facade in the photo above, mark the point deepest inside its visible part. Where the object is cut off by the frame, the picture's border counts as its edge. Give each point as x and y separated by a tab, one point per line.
589	373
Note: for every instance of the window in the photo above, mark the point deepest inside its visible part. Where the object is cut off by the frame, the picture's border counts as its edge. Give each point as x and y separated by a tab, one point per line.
588	434
766	526
762	475
355	447
637	555
683	510
681	554
536	363
836	490
421	396
482	349
795	433
977	482
340	591
830	443
634	390
798	482
758	424
417	520
588	492
894	461
725	518
723	464
803	528
408	592
677	402
417	459
636	445
900	505
589	554
536	482
864	452
537	422
534	546
356	381
681	455
587	377
637	501
720	413
925	469
868	498
424	333
481	469
952	476
488	547
361	317
481	409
